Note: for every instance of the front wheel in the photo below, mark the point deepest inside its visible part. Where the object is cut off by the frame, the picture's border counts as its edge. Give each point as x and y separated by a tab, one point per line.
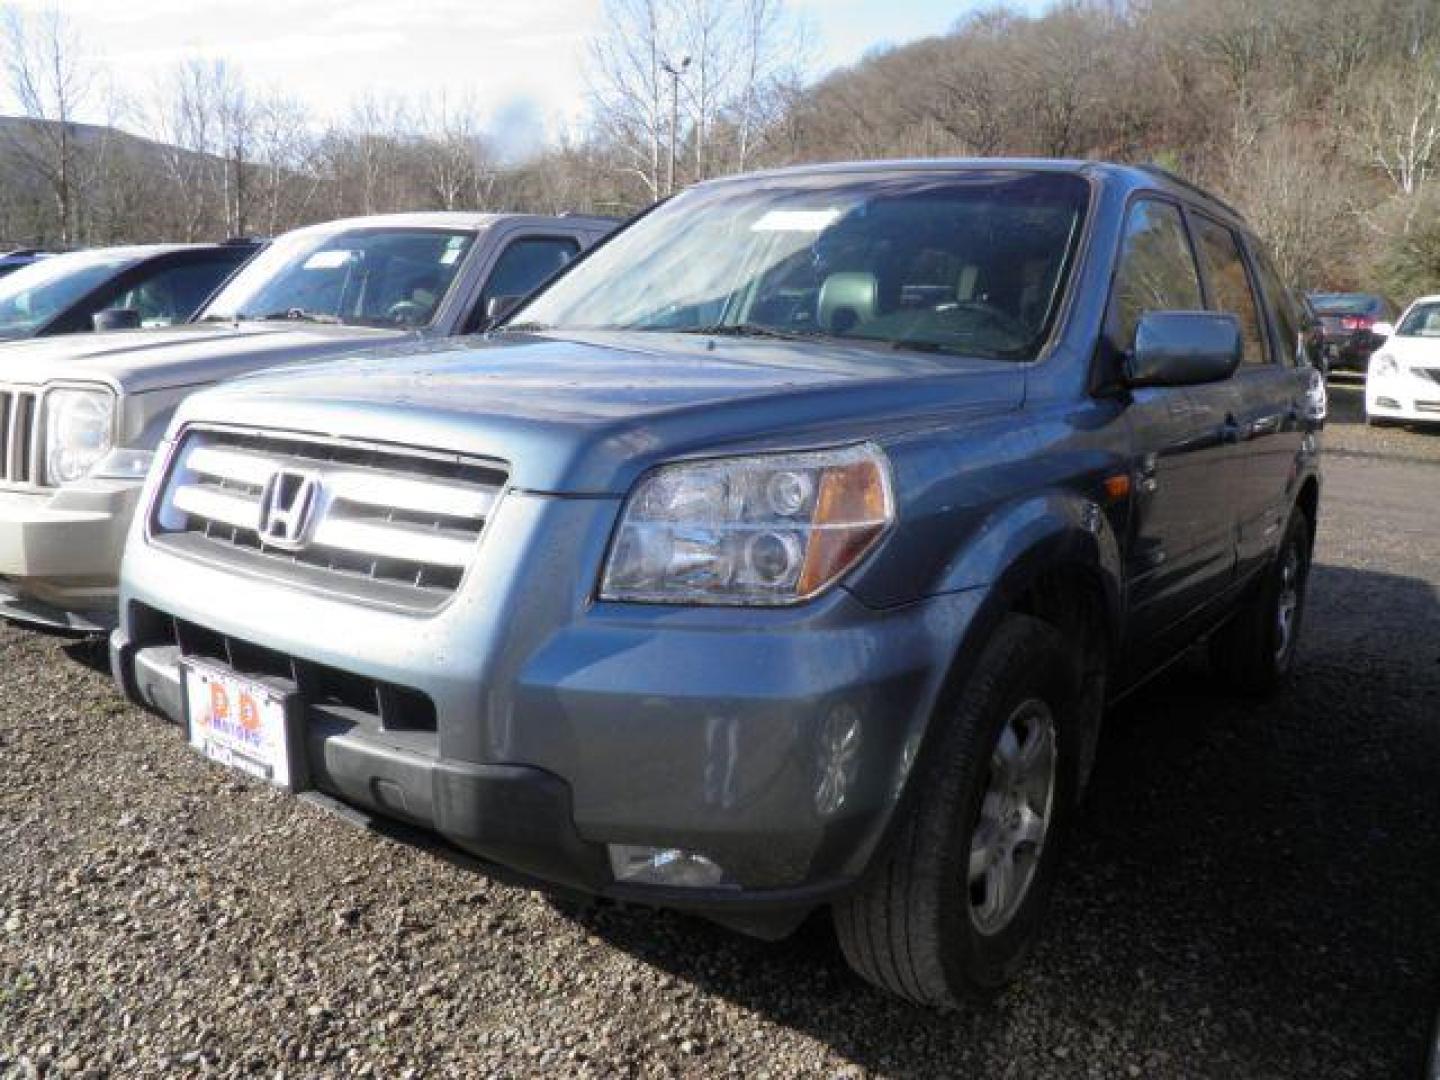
1255	651
952	907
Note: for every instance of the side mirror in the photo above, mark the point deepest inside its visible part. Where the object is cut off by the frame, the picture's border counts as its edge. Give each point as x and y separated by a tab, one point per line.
1383	329
116	319
497	307
1184	348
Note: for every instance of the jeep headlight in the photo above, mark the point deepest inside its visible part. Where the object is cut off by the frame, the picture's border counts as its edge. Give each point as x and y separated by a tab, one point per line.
763	529
1386	365
79	431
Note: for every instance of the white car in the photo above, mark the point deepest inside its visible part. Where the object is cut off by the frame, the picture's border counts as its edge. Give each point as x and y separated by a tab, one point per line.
1403	383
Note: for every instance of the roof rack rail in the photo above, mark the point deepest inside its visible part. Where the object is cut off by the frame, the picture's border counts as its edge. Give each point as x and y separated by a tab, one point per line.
1175	178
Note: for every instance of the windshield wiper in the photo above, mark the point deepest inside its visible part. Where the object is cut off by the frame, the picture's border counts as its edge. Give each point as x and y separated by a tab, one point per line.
522	327
755	330
296	314
940	348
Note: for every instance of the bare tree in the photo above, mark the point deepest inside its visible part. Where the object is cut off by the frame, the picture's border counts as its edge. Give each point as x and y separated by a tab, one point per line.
50	80
628	85
1398	121
1298	200
457	163
284	163
235	116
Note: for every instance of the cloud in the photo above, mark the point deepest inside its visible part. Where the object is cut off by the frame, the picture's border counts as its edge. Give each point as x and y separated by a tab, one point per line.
517	128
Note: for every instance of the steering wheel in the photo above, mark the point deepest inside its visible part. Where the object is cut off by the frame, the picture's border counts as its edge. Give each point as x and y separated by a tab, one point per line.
406	312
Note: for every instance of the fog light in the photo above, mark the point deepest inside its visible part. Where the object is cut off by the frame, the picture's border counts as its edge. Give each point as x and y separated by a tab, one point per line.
1387	403
663	866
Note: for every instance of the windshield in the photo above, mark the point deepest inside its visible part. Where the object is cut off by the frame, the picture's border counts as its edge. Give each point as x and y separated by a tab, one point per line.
35	294
1422	320
362	277
969	263
1343	303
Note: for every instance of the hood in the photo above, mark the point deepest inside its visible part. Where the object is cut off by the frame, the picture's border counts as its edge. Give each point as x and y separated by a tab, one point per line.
134	361
586	415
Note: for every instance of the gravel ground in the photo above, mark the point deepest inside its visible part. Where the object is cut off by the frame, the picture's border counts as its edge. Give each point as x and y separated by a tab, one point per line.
1251	892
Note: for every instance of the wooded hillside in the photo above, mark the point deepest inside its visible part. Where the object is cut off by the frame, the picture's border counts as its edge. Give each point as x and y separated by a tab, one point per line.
1320	119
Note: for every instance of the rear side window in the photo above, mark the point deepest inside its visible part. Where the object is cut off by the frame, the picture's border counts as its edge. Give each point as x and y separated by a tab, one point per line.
526	263
1230	285
1156	271
1290	320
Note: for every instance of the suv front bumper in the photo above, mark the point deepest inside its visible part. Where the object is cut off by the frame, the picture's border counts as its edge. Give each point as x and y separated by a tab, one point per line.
60	553
776	743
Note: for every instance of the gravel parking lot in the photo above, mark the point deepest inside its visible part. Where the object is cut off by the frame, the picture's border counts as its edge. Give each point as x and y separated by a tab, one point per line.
1252	891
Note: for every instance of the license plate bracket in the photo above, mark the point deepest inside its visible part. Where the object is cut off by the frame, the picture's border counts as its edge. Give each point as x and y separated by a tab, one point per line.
244	723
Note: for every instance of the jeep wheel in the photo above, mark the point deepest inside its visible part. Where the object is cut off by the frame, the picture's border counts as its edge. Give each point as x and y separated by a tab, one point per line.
951	908
1255	651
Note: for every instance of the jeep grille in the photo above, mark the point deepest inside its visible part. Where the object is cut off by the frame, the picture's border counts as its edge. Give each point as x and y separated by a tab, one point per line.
379	524
19	454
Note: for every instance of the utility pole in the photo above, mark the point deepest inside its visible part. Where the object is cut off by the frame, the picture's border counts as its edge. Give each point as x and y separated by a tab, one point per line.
675	72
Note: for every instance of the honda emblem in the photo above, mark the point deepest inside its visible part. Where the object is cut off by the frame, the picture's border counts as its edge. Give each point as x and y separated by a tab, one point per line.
287	507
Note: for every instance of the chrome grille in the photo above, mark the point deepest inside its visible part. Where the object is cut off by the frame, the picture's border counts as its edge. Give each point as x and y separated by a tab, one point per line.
379	524
1433	374
19	453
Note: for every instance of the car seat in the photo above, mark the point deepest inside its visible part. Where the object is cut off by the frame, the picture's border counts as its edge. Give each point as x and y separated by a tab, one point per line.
846	300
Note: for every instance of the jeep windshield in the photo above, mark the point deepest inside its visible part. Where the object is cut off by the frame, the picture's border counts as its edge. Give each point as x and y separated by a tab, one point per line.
969	262
385	277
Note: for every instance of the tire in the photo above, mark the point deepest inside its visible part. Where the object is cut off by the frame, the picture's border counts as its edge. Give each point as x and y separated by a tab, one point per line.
919	926
1254	652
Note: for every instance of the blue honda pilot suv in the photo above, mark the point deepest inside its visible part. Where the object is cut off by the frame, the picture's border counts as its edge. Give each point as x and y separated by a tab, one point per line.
785	552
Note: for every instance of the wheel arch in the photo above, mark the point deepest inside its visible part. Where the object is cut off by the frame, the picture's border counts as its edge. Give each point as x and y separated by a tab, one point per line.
1061	577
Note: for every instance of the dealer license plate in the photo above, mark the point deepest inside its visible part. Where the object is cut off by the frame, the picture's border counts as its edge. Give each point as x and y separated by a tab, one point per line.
239	722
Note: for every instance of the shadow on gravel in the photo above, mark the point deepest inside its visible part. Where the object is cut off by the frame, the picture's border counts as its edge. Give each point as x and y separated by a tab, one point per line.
90	652
1251	891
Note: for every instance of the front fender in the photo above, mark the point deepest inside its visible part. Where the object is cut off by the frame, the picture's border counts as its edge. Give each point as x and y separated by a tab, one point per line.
1017	541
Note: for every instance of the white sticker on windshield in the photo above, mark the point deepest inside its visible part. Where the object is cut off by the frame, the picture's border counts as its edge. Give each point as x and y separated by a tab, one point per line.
795	221
328	260
449	256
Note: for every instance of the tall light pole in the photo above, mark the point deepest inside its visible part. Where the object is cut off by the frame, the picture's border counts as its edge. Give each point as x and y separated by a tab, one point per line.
675	72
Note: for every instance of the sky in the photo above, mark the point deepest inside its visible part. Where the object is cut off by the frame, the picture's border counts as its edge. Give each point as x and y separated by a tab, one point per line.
519	61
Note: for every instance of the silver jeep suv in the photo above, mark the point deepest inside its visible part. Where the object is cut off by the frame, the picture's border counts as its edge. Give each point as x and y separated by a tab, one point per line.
80	416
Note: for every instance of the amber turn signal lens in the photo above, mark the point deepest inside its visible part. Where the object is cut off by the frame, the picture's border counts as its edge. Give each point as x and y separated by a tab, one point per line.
851	511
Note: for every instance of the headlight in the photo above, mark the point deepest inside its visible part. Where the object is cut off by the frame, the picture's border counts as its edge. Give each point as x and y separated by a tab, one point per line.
767	529
79	431
1385	364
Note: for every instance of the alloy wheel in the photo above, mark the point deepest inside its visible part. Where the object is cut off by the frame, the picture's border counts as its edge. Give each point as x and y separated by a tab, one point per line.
1014	818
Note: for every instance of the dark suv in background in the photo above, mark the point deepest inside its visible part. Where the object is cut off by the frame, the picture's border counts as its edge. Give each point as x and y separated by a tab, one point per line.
116	288
1347	322
782	553
13	260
